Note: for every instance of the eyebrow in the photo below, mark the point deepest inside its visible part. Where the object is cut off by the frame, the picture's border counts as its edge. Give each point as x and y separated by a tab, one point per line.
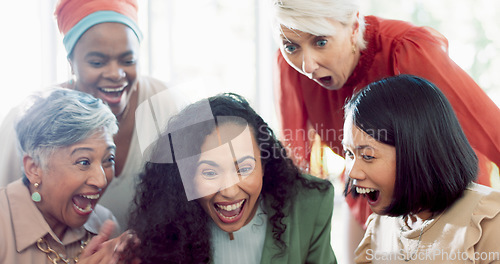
209	162
363	147
111	147
245	158
102	55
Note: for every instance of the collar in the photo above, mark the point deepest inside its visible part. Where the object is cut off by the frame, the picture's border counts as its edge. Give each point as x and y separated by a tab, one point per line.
28	222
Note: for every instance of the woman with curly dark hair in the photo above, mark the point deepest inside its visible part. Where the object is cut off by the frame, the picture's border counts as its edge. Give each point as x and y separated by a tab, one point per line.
219	188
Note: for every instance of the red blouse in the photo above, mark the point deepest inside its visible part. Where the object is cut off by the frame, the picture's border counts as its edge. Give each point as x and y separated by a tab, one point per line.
394	47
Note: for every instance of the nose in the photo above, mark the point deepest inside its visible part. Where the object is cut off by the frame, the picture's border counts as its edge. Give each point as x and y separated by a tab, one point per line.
309	63
230	187
98	178
354	170
114	71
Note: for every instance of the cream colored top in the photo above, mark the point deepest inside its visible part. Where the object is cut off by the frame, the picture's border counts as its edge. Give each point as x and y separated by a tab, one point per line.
467	232
22	224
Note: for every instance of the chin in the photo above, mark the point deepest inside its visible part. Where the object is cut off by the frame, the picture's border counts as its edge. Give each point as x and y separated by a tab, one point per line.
229	228
330	87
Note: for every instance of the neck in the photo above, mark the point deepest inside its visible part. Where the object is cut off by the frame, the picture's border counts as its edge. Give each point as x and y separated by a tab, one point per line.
57	227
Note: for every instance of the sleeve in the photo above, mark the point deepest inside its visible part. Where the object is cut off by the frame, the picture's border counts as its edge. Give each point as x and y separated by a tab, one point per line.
10	156
481	241
423	52
291	110
364	252
320	250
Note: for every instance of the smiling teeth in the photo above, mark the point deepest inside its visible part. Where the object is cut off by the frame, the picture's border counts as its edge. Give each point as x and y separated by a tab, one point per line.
230	207
112	90
86	210
362	190
92	196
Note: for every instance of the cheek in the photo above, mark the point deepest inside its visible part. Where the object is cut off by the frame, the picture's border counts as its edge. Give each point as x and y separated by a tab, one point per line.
87	75
293	60
131	72
205	203
110	173
252	185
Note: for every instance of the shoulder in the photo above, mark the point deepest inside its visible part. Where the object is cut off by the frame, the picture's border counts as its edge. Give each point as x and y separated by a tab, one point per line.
165	101
149	86
406	32
326	187
480	207
314	202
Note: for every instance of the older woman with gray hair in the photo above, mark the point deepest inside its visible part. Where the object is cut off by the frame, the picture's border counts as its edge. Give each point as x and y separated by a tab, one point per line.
51	214
328	49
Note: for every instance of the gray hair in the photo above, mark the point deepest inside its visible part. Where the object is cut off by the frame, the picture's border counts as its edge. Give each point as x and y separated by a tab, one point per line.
312	16
61	118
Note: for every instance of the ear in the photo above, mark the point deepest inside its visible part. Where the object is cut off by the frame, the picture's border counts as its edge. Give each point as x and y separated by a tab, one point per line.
71	66
355	28
32	170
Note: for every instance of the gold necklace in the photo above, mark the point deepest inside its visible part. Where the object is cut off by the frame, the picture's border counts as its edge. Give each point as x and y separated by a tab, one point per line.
58	258
413	252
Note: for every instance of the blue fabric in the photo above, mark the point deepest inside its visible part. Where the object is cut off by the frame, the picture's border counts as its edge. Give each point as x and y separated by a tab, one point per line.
95	18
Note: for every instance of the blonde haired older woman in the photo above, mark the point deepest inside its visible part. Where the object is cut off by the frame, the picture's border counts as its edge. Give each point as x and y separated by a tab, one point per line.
328	49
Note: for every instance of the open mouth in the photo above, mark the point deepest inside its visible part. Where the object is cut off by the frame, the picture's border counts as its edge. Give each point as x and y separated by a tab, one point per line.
112	90
371	194
85	203
326	81
111	95
229	213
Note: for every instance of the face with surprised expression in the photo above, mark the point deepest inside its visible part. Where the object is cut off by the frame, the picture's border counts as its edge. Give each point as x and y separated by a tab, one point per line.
229	176
73	179
371	165
327	60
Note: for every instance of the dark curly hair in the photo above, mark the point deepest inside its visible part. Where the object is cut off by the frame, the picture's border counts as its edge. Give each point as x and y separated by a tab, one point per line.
175	230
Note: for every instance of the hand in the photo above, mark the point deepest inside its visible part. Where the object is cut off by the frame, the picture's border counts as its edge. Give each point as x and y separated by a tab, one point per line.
96	242
123	251
102	250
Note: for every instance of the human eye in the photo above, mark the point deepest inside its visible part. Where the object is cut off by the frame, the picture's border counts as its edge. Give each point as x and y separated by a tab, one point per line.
348	154
110	161
129	61
209	174
321	42
83	163
289	48
367	157
245	170
96	63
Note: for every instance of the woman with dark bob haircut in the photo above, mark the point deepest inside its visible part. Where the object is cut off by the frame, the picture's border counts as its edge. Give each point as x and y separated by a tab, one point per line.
222	190
407	154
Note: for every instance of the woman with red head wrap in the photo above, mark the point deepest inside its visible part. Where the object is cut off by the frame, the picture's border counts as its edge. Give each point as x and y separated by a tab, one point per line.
102	38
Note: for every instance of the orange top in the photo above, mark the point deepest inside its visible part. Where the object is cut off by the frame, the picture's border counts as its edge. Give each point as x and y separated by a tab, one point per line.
394	47
69	12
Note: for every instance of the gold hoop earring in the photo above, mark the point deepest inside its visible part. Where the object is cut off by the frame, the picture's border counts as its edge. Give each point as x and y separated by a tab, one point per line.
353	49
36	197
